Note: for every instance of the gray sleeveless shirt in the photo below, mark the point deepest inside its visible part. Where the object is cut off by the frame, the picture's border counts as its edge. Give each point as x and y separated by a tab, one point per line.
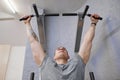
73	70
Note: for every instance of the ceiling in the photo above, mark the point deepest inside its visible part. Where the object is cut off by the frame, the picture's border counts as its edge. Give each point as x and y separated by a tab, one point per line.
24	7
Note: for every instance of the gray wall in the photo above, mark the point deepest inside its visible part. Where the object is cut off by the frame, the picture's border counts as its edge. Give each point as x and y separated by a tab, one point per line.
104	59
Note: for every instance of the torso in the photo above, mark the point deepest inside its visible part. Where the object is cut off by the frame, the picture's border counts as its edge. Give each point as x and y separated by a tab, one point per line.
73	70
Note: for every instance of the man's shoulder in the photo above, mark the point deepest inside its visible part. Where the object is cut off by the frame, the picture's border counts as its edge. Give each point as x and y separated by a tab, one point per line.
76	59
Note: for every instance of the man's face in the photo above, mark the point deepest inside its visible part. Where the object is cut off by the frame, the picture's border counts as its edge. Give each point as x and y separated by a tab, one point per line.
61	53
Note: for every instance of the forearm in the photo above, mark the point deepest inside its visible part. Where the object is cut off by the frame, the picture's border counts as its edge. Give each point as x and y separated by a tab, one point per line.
90	34
87	43
30	33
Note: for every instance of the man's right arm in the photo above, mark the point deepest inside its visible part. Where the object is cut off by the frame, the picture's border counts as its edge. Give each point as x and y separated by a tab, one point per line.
86	46
37	49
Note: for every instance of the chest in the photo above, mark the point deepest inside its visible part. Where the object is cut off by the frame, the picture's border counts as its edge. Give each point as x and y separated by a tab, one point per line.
53	71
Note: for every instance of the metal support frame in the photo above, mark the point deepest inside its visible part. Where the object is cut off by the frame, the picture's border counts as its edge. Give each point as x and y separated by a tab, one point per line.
91	75
41	27
80	28
32	76
78	33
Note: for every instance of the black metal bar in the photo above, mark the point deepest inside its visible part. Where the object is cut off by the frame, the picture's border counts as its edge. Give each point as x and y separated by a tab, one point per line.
26	18
32	76
52	14
69	14
36	11
91	75
41	28
64	14
85	11
79	29
57	14
79	34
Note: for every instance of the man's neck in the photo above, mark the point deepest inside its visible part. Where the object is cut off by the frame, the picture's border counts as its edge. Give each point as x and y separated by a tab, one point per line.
61	61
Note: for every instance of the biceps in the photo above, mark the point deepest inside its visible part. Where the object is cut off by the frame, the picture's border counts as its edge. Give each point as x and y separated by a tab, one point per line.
37	51
85	51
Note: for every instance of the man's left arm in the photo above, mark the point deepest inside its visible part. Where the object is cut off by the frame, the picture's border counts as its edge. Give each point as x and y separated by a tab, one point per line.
85	49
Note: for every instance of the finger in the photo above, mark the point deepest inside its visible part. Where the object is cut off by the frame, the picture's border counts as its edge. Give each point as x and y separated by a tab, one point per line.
25	18
95	16
29	18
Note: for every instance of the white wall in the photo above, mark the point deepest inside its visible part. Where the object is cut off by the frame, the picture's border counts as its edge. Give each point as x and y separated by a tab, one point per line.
15	63
11	62
12	32
4	58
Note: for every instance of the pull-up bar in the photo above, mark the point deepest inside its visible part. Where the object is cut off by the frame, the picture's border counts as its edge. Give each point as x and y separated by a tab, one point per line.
63	14
52	14
79	29
79	26
76	14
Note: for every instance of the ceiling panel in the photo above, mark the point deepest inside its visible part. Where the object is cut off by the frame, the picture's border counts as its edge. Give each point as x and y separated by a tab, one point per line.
60	6
24	7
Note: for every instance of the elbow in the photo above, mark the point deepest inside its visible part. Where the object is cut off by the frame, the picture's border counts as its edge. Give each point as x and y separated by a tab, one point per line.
85	60
35	55
36	59
31	40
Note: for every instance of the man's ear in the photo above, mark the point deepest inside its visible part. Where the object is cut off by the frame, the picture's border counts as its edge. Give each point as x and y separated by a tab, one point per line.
68	56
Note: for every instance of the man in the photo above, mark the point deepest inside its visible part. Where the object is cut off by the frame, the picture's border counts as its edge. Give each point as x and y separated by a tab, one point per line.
61	67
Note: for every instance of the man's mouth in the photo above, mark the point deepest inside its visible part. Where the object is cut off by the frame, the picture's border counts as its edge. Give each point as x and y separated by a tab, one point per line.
60	51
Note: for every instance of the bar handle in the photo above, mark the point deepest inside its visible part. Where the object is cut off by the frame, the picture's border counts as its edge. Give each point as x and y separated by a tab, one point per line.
91	75
21	19
99	18
32	76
